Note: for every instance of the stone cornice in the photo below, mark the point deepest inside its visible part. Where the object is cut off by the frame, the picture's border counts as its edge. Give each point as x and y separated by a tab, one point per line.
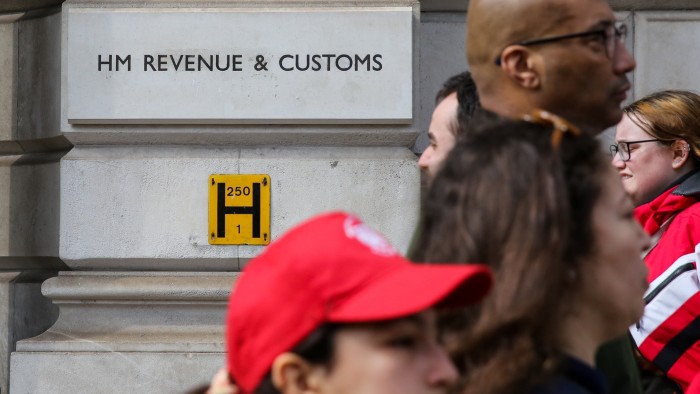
13	6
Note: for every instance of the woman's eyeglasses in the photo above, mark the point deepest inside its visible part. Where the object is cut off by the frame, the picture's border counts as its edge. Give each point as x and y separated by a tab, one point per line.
623	148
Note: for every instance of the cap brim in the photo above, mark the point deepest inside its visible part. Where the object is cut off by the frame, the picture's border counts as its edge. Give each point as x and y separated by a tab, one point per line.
413	288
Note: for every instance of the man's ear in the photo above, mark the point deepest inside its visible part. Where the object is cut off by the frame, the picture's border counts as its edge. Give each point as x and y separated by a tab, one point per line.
681	153
519	64
291	374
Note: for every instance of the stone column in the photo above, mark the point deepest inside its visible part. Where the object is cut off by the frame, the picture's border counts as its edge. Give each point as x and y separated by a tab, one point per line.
31	146
143	308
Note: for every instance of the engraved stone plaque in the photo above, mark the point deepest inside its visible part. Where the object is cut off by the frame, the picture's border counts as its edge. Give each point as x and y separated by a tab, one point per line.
223	66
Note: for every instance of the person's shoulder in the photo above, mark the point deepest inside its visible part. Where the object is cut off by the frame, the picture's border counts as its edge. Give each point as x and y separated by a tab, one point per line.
688	220
574	377
561	385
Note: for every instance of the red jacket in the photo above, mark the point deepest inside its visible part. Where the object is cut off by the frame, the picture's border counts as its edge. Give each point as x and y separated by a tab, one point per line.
668	334
694	386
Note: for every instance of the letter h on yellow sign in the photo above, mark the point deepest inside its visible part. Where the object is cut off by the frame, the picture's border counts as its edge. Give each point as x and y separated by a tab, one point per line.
239	209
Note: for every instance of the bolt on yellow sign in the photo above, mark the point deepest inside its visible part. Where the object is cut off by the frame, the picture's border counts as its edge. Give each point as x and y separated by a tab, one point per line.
239	209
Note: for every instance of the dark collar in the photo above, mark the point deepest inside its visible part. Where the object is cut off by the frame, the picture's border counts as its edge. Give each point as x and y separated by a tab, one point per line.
574	377
585	376
688	185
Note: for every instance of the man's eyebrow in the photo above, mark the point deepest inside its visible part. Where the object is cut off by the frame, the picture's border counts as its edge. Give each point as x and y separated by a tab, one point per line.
605	23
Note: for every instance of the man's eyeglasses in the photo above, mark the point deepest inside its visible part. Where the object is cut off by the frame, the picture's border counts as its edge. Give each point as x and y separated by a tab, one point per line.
623	148
612	35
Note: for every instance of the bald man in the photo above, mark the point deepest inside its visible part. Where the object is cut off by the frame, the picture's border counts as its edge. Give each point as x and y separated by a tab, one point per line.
566	57
563	56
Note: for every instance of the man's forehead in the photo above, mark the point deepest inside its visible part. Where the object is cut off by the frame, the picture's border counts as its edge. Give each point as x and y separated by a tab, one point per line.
494	24
579	14
510	21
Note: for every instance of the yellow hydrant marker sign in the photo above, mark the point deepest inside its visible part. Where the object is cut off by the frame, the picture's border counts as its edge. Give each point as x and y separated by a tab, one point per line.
239	209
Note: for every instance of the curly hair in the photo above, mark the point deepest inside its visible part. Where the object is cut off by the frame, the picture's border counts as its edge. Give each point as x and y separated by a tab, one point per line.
507	198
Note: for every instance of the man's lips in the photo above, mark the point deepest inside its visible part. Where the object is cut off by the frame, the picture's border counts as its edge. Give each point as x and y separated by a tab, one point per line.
621	93
625	176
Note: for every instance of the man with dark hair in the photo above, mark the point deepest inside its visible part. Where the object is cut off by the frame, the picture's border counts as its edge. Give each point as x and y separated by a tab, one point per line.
455	103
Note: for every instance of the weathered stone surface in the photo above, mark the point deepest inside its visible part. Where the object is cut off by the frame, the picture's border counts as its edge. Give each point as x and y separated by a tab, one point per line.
6	320
24	313
29	206
38	78
111	372
135	312
251	135
666	50
227	66
8	59
133	331
147	207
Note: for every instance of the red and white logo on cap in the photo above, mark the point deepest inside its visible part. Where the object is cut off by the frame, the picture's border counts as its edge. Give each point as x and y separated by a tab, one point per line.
355	229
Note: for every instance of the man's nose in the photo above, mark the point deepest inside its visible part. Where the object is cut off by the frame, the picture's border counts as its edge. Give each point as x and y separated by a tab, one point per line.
424	159
624	61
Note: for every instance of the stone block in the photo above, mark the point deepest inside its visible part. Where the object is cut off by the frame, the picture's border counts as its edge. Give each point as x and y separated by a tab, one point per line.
147	207
8	61
39	77
111	372
318	114
6	322
666	51
24	313
219	66
29	207
126	331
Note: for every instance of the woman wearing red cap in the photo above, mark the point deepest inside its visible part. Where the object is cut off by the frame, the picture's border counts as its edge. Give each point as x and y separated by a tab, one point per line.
657	154
542	206
331	308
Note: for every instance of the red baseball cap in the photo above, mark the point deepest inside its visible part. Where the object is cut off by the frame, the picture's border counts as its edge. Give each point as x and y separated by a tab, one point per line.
332	268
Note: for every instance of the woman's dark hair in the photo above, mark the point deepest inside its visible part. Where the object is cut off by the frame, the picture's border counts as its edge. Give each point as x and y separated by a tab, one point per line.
507	197
317	349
